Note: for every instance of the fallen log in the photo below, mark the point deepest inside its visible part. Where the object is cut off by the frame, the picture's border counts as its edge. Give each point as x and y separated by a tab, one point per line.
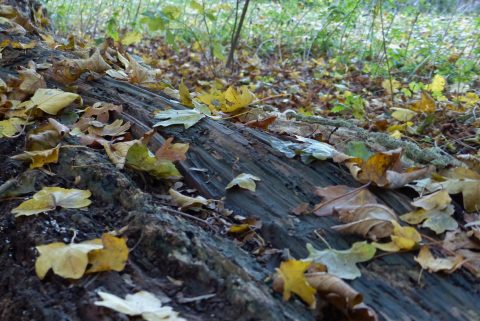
204	274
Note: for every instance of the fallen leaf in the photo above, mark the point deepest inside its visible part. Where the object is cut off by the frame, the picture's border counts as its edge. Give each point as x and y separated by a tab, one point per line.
402	114
263	123
372	221
185	98
432	264
342	263
341	196
40	157
48	198
140	158
141	303
117	128
403	238
426	104
112	257
435	212
118	152
172	152
246	181
69	70
188	117
66	260
51	101
292	272
10	127
187	202
462	180
384	169
237	100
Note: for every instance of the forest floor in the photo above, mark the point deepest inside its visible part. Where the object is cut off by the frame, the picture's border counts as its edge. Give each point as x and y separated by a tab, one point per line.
217	224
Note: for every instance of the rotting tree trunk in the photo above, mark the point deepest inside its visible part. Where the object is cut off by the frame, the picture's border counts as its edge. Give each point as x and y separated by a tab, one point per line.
167	246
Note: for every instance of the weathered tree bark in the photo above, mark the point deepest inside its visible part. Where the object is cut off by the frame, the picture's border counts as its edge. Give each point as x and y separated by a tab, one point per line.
166	245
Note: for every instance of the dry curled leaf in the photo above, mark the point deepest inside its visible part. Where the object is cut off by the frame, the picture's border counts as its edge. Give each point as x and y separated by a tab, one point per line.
185	201
246	181
384	170
69	70
172	152
373	221
428	262
339	196
40	157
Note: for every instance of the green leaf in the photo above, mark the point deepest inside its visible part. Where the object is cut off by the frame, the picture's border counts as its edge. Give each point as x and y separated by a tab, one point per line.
435	219
342	263
358	149
140	158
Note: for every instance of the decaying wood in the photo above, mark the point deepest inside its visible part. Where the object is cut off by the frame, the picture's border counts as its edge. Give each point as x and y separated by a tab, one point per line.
179	259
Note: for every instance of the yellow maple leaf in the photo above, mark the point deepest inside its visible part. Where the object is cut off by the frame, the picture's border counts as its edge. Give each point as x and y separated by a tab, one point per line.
293	274
49	198
66	260
237	100
113	255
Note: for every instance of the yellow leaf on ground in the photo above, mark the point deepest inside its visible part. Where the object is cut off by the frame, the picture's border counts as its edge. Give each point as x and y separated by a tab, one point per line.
246	181
39	157
185	98
403	238
66	260
51	101
402	114
432	264
186	201
237	100
293	274
49	198
10	127
113	255
384	169
426	104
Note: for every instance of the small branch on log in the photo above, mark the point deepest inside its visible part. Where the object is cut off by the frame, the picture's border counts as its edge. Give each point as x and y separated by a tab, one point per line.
413	151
